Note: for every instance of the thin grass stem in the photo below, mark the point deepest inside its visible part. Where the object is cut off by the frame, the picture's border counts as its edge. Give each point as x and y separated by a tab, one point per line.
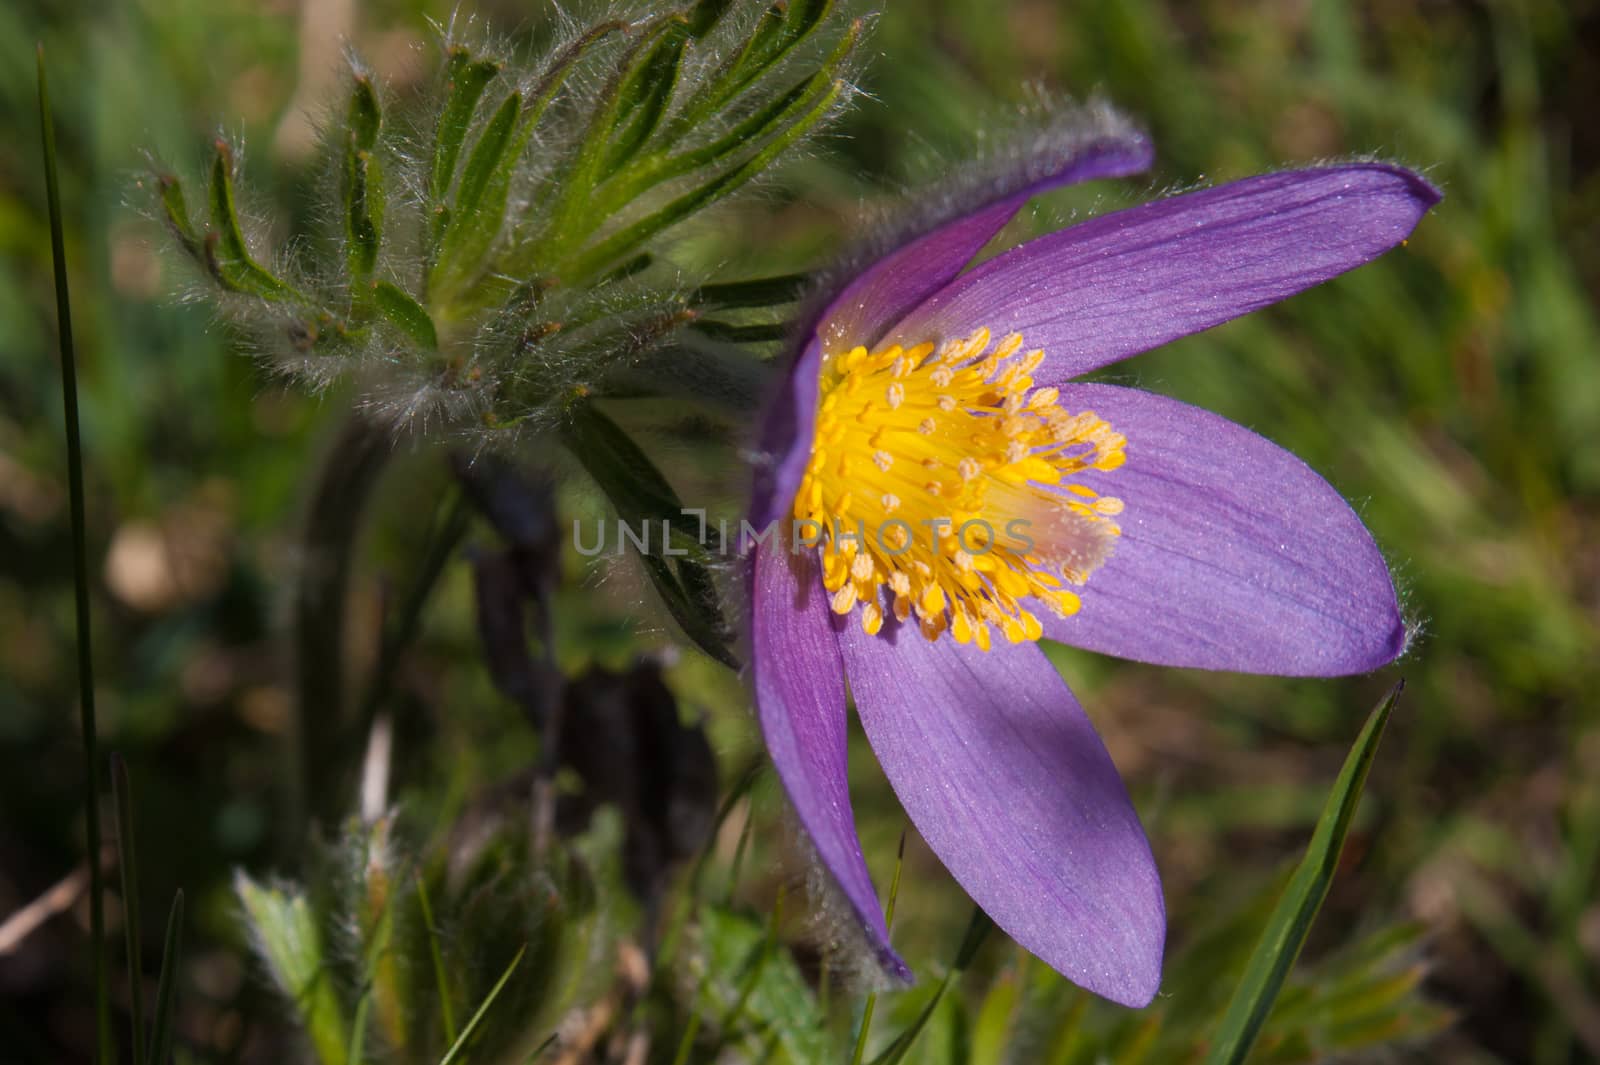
80	575
888	921
128	860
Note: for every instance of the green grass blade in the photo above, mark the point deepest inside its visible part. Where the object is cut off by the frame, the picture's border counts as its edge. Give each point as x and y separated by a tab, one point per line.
694	894
167	989
128	860
538	1052
691	1031
447	1012
358	1030
736	869
483	1010
80	572
888	921
996	1018
977	931
758	965
1297	908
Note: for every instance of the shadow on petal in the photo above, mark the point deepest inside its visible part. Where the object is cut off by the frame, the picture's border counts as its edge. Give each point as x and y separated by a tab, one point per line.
1234	554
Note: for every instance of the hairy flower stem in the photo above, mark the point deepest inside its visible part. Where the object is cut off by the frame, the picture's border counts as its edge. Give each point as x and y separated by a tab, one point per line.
442	541
334	516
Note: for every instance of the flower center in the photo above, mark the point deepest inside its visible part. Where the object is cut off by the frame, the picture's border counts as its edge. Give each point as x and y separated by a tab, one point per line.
945	476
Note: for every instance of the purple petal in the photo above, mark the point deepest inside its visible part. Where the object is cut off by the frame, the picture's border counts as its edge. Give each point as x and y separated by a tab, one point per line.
1234	554
1128	281
1003	775
894	284
799	686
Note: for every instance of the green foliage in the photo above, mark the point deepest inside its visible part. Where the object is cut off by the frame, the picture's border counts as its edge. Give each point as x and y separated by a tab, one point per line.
465	80
531	187
289	939
163	1030
646	503
475	216
1291	919
362	189
752	992
386	944
895	1053
406	315
227	254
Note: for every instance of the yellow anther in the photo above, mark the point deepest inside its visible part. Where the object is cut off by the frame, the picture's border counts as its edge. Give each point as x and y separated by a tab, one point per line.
980	634
993	450
1032	629
863	568
1064	602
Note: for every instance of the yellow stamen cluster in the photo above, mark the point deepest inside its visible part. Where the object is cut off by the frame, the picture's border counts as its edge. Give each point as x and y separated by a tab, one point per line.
943	475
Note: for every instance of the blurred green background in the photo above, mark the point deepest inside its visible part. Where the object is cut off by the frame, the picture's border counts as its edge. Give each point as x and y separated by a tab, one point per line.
1451	391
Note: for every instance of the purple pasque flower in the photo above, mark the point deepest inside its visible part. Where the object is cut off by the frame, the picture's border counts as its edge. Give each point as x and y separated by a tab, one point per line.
947	494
